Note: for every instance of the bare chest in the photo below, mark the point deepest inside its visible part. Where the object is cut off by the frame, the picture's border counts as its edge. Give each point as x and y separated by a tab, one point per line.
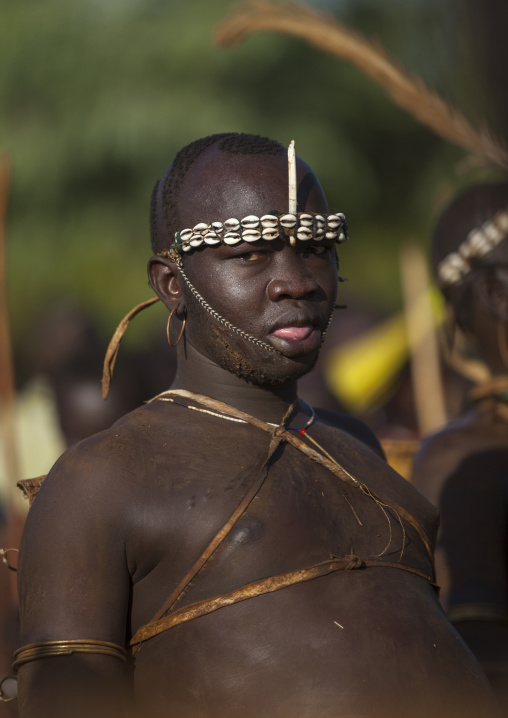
300	514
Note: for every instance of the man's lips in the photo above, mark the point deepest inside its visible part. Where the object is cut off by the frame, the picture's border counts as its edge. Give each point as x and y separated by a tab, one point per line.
293	333
296	340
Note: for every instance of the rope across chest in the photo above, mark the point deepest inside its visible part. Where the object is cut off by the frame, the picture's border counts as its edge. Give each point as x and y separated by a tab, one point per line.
169	615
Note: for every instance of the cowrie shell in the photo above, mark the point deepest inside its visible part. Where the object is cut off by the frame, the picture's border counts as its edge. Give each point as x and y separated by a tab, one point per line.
331	235
251	235
270	233
200	227
232	225
269	221
304	234
186	247
306	220
232	238
501	219
185	234
287	221
250	222
218	227
211	238
333	221
196	240
342	237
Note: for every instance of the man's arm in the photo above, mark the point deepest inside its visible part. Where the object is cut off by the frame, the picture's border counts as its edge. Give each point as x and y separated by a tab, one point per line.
74	584
470	486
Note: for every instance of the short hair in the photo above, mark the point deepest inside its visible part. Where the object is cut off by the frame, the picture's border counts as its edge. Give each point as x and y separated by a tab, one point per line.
164	214
469	210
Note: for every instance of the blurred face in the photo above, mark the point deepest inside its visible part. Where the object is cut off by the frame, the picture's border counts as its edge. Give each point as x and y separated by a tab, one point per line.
279	294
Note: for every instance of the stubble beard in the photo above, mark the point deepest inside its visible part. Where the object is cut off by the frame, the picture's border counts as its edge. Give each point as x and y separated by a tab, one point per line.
263	371
242	358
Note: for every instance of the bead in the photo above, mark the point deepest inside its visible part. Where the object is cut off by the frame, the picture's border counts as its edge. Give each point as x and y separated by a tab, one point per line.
493	233
211	238
232	225
269	221
250	222
270	233
333	221
306	220
251	235
501	219
304	234
288	221
232	238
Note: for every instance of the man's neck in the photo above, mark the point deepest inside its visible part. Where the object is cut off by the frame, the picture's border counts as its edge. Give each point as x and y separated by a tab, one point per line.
201	375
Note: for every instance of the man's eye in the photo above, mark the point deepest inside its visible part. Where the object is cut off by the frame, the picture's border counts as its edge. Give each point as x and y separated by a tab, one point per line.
315	249
251	256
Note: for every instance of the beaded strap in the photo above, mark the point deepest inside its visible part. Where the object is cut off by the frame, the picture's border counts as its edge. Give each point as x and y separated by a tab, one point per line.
478	243
304	226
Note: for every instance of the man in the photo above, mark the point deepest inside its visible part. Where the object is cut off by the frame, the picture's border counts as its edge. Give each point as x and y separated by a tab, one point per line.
258	558
463	469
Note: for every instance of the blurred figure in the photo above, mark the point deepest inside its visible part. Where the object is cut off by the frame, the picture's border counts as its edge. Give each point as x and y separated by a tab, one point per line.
66	349
463	469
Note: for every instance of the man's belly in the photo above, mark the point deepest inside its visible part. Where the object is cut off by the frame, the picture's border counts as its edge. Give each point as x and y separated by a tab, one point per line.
370	643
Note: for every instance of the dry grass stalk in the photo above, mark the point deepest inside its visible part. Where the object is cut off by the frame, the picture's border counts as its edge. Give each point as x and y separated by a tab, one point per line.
324	32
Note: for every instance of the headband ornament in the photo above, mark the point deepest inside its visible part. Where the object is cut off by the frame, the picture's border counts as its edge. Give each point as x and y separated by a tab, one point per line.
304	226
479	243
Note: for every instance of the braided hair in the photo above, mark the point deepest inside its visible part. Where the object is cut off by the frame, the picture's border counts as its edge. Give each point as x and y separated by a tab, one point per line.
164	213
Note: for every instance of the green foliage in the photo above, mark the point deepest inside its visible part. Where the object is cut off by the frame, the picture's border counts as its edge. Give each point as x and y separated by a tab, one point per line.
98	95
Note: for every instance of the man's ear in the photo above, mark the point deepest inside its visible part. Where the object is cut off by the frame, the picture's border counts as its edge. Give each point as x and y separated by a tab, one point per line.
492	288
164	278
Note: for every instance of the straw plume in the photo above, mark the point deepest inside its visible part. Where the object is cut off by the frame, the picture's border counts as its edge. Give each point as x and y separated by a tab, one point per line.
409	93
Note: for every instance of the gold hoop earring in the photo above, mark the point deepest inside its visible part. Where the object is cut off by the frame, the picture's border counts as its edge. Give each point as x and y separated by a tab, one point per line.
502	343
181	331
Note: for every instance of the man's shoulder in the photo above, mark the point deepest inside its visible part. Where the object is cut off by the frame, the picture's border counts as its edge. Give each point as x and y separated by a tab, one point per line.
351	426
103	460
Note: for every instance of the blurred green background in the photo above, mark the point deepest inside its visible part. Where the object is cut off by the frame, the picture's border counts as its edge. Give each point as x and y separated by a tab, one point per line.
96	97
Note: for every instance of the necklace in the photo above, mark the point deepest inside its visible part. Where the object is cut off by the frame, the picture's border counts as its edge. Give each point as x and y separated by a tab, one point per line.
162	397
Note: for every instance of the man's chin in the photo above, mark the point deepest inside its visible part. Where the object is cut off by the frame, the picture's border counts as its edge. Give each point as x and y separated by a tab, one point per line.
273	373
256	365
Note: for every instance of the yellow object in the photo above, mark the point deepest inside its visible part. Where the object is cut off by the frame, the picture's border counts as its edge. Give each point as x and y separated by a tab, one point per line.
360	372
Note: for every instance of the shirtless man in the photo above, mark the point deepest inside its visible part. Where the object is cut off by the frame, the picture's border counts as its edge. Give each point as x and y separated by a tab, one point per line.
463	469
316	555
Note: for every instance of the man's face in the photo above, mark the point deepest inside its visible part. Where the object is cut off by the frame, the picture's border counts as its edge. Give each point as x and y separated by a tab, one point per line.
279	294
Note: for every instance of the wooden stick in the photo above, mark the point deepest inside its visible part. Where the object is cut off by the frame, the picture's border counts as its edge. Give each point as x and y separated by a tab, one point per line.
8	438
7	390
426	371
292	187
292	177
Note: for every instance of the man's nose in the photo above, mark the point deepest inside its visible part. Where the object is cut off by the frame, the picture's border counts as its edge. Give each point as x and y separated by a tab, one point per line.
292	278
